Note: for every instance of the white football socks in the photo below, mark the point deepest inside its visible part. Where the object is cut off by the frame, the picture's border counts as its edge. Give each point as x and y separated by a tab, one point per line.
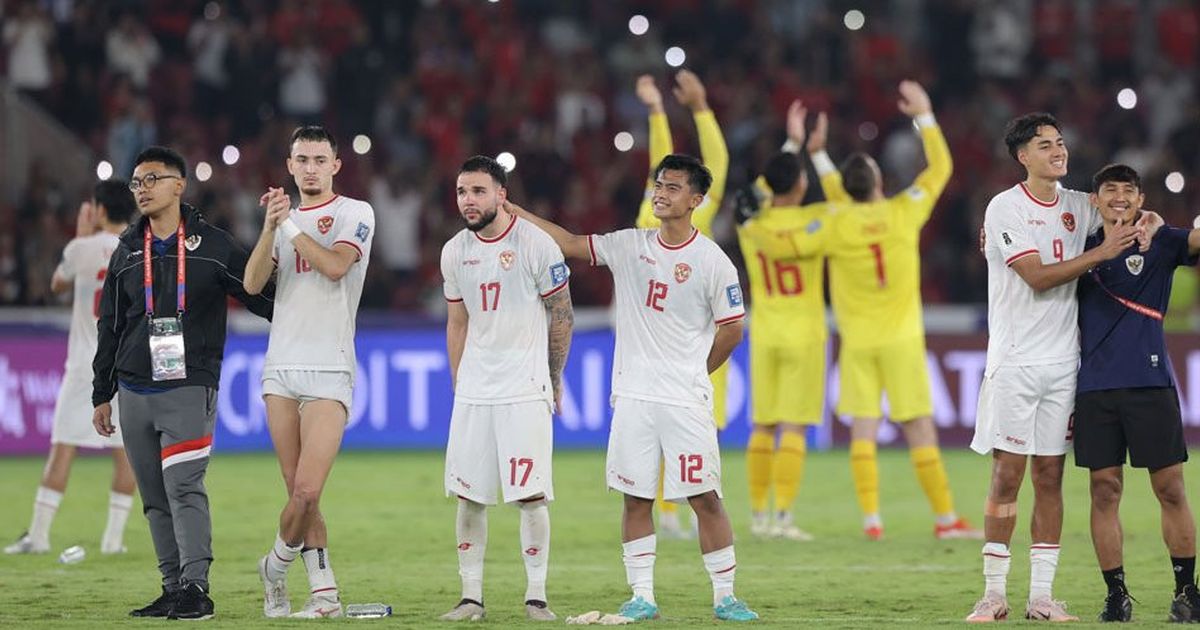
470	527
535	547
639	558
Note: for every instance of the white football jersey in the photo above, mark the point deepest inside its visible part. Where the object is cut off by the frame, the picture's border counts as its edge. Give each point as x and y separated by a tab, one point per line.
1027	327
314	320
85	263
669	302
502	283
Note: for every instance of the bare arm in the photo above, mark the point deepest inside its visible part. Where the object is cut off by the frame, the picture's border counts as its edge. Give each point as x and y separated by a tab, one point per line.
59	283
1041	277
260	266
332	263
562	321
456	337
727	338
572	245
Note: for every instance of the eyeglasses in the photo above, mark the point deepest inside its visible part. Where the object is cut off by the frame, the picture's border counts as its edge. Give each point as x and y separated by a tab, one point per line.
148	181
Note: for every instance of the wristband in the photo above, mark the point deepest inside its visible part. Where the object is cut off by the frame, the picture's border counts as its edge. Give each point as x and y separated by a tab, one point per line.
925	120
791	146
822	163
290	229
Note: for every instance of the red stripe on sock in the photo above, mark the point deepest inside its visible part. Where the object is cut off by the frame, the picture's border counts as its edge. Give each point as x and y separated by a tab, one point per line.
322	590
49	505
996	555
1045	547
643	555
725	570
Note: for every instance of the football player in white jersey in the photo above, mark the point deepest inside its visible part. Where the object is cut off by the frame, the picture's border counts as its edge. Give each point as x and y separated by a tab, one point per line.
320	251
679	312
84	264
1033	239
508	332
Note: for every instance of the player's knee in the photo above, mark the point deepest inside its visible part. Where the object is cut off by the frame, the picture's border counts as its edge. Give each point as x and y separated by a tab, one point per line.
1106	491
637	505
707	504
1170	492
305	496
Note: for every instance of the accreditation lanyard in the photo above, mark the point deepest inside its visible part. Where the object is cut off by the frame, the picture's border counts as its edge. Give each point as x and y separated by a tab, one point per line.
1150	312
180	271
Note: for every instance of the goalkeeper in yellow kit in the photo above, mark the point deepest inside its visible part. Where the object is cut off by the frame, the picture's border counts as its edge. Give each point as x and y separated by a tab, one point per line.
874	274
690	93
784	251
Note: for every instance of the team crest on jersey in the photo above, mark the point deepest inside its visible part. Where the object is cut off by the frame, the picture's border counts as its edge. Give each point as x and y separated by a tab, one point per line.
192	242
507	257
733	293
682	272
324	224
1135	264
362	232
1068	220
559	273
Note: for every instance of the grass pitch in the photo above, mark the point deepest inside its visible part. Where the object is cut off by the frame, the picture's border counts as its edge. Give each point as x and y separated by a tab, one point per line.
392	541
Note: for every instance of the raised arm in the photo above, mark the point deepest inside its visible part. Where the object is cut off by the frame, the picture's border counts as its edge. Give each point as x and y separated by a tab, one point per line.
261	265
914	102
660	144
572	245
828	176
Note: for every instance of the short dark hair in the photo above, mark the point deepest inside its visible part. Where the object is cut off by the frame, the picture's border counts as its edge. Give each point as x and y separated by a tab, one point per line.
698	175
485	164
169	157
858	178
1116	173
313	133
782	172
1022	129
117	199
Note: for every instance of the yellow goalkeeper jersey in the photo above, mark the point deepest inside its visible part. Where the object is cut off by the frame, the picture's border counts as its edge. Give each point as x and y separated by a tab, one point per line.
784	252
874	253
713	153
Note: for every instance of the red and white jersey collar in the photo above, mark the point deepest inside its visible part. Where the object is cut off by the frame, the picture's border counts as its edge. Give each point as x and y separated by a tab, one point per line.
668	246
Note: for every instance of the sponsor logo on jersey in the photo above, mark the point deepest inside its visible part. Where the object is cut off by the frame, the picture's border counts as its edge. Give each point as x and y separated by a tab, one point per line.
682	272
471	261
559	273
1015	440
646	259
1068	220
362	232
1036	222
192	242
733	293
1135	264
324	224
506	259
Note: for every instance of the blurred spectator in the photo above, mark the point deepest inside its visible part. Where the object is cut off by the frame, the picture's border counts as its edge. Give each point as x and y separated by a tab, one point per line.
132	50
302	84
27	36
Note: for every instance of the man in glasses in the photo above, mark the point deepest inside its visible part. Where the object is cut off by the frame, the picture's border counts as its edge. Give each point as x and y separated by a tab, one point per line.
161	338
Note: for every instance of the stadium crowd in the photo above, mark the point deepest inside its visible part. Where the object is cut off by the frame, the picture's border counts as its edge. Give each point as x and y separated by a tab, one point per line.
551	82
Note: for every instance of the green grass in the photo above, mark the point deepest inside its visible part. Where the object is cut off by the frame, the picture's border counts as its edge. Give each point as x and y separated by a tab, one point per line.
392	540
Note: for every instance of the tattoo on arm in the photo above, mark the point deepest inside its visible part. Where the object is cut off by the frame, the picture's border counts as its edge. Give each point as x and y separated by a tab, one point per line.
562	320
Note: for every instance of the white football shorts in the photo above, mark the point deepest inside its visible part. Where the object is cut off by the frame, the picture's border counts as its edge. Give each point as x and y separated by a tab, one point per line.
1026	410
648	439
308	385
507	446
73	415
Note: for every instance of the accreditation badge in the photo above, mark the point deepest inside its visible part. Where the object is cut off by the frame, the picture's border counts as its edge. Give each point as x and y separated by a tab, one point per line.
167	359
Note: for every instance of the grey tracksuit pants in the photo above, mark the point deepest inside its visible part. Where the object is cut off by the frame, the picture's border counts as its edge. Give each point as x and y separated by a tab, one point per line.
168	436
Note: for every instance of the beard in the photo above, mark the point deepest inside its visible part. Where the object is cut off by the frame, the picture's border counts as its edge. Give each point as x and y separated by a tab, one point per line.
485	219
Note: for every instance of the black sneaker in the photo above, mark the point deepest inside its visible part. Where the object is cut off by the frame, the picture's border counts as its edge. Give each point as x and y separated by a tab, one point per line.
1118	606
1186	606
160	607
193	604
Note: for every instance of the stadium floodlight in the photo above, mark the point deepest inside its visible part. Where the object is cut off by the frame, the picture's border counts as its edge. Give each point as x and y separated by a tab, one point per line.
1127	98
854	19
230	155
638	24
1174	182
508	161
204	171
868	131
104	170
362	144
623	141
676	56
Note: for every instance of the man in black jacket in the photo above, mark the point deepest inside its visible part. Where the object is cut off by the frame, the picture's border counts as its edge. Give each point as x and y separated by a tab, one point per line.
161	340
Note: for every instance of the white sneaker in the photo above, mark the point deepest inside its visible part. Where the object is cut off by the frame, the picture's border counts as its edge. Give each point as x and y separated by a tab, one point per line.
320	607
25	544
991	607
465	610
760	524
275	597
109	550
786	529
539	611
